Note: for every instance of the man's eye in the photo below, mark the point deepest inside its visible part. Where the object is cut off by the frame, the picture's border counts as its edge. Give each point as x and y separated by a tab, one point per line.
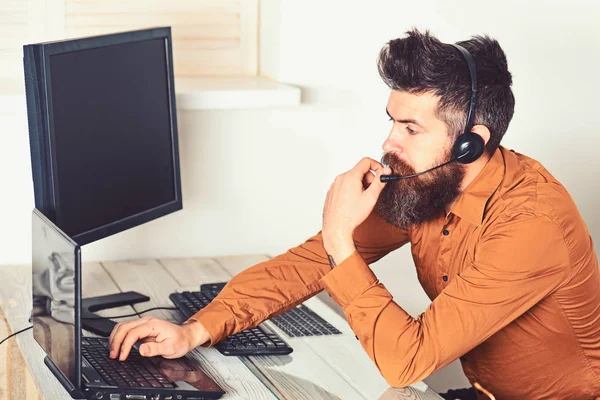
410	131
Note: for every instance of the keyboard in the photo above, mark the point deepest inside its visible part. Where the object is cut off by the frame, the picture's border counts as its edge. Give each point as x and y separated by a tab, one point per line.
302	321
250	342
136	371
298	322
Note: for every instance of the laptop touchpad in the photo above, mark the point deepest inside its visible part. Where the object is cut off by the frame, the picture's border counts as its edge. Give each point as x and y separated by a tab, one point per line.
183	370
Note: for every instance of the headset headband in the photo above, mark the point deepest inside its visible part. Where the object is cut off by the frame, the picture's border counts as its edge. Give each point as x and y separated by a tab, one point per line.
473	72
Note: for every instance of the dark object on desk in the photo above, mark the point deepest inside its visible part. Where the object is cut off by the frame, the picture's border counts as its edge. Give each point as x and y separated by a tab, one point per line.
460	394
104	326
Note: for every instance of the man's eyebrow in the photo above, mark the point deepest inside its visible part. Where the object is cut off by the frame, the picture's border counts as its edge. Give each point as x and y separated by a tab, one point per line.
404	121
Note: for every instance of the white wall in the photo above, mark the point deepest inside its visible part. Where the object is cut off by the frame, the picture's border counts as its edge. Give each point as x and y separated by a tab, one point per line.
255	181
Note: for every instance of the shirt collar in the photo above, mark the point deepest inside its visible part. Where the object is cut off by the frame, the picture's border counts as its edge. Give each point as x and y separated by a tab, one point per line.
470	204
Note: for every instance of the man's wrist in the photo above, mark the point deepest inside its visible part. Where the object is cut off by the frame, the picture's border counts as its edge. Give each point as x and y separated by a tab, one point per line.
196	333
338	250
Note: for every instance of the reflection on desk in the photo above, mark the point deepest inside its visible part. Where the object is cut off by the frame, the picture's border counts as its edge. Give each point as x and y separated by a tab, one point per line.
57	338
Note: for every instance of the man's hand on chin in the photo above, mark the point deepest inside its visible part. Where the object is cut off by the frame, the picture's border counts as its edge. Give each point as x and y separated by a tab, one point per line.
348	204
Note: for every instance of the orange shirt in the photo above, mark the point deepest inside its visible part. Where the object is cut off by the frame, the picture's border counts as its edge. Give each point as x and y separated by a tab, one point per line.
511	272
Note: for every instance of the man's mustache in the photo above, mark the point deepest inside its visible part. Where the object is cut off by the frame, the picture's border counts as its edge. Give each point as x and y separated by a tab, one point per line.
398	166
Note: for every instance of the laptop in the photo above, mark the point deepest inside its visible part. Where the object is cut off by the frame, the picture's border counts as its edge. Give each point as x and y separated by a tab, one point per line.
79	360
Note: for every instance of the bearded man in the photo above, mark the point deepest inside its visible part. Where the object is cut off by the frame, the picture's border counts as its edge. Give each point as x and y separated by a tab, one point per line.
498	244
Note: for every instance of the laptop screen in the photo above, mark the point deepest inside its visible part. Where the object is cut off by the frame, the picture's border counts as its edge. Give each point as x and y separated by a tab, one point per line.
56	318
55	261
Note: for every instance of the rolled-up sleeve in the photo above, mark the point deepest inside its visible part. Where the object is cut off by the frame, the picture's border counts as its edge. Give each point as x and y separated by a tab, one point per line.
517	263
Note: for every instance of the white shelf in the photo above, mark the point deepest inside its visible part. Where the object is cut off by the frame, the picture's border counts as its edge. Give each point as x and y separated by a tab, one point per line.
234	92
193	94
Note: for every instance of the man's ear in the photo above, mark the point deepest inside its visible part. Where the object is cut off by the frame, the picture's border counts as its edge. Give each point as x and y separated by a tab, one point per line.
482	131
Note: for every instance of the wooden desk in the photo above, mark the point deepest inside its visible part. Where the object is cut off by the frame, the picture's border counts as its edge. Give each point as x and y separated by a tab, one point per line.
319	367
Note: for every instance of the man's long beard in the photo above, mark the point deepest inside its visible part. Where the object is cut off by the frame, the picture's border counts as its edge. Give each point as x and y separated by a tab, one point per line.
412	201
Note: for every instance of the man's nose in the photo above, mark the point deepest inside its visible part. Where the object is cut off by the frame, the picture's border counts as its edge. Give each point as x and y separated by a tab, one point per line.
392	144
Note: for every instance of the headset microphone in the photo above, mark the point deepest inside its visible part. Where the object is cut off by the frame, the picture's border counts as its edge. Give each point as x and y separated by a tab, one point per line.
387	178
468	146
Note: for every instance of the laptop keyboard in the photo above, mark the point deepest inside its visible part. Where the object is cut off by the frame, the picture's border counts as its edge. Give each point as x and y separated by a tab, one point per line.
136	371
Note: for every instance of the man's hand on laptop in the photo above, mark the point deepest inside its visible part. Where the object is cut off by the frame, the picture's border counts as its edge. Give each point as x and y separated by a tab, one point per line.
158	337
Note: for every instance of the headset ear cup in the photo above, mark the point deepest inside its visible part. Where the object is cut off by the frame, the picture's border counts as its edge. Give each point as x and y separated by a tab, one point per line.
468	147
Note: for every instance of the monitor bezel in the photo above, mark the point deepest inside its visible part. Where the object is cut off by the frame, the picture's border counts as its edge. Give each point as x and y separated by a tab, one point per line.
52	206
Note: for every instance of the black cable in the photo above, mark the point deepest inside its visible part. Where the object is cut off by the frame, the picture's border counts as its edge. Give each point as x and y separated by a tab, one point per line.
16	333
115	317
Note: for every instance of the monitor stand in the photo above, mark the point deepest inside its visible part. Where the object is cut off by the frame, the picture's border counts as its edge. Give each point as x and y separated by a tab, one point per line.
98	325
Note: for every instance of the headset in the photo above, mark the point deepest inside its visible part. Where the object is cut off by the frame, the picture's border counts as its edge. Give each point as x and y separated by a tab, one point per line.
468	146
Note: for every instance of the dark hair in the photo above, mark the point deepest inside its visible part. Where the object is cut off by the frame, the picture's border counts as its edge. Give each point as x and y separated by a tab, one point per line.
421	63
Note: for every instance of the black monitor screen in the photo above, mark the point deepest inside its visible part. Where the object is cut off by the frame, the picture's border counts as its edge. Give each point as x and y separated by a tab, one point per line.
111	126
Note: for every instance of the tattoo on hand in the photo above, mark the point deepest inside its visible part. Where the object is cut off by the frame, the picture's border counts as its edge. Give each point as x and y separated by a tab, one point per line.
331	261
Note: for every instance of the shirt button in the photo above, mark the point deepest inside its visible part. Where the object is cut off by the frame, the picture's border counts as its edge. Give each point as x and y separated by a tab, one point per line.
445	232
445	278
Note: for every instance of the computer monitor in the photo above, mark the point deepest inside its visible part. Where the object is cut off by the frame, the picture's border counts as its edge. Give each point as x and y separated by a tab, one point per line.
103	131
103	138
